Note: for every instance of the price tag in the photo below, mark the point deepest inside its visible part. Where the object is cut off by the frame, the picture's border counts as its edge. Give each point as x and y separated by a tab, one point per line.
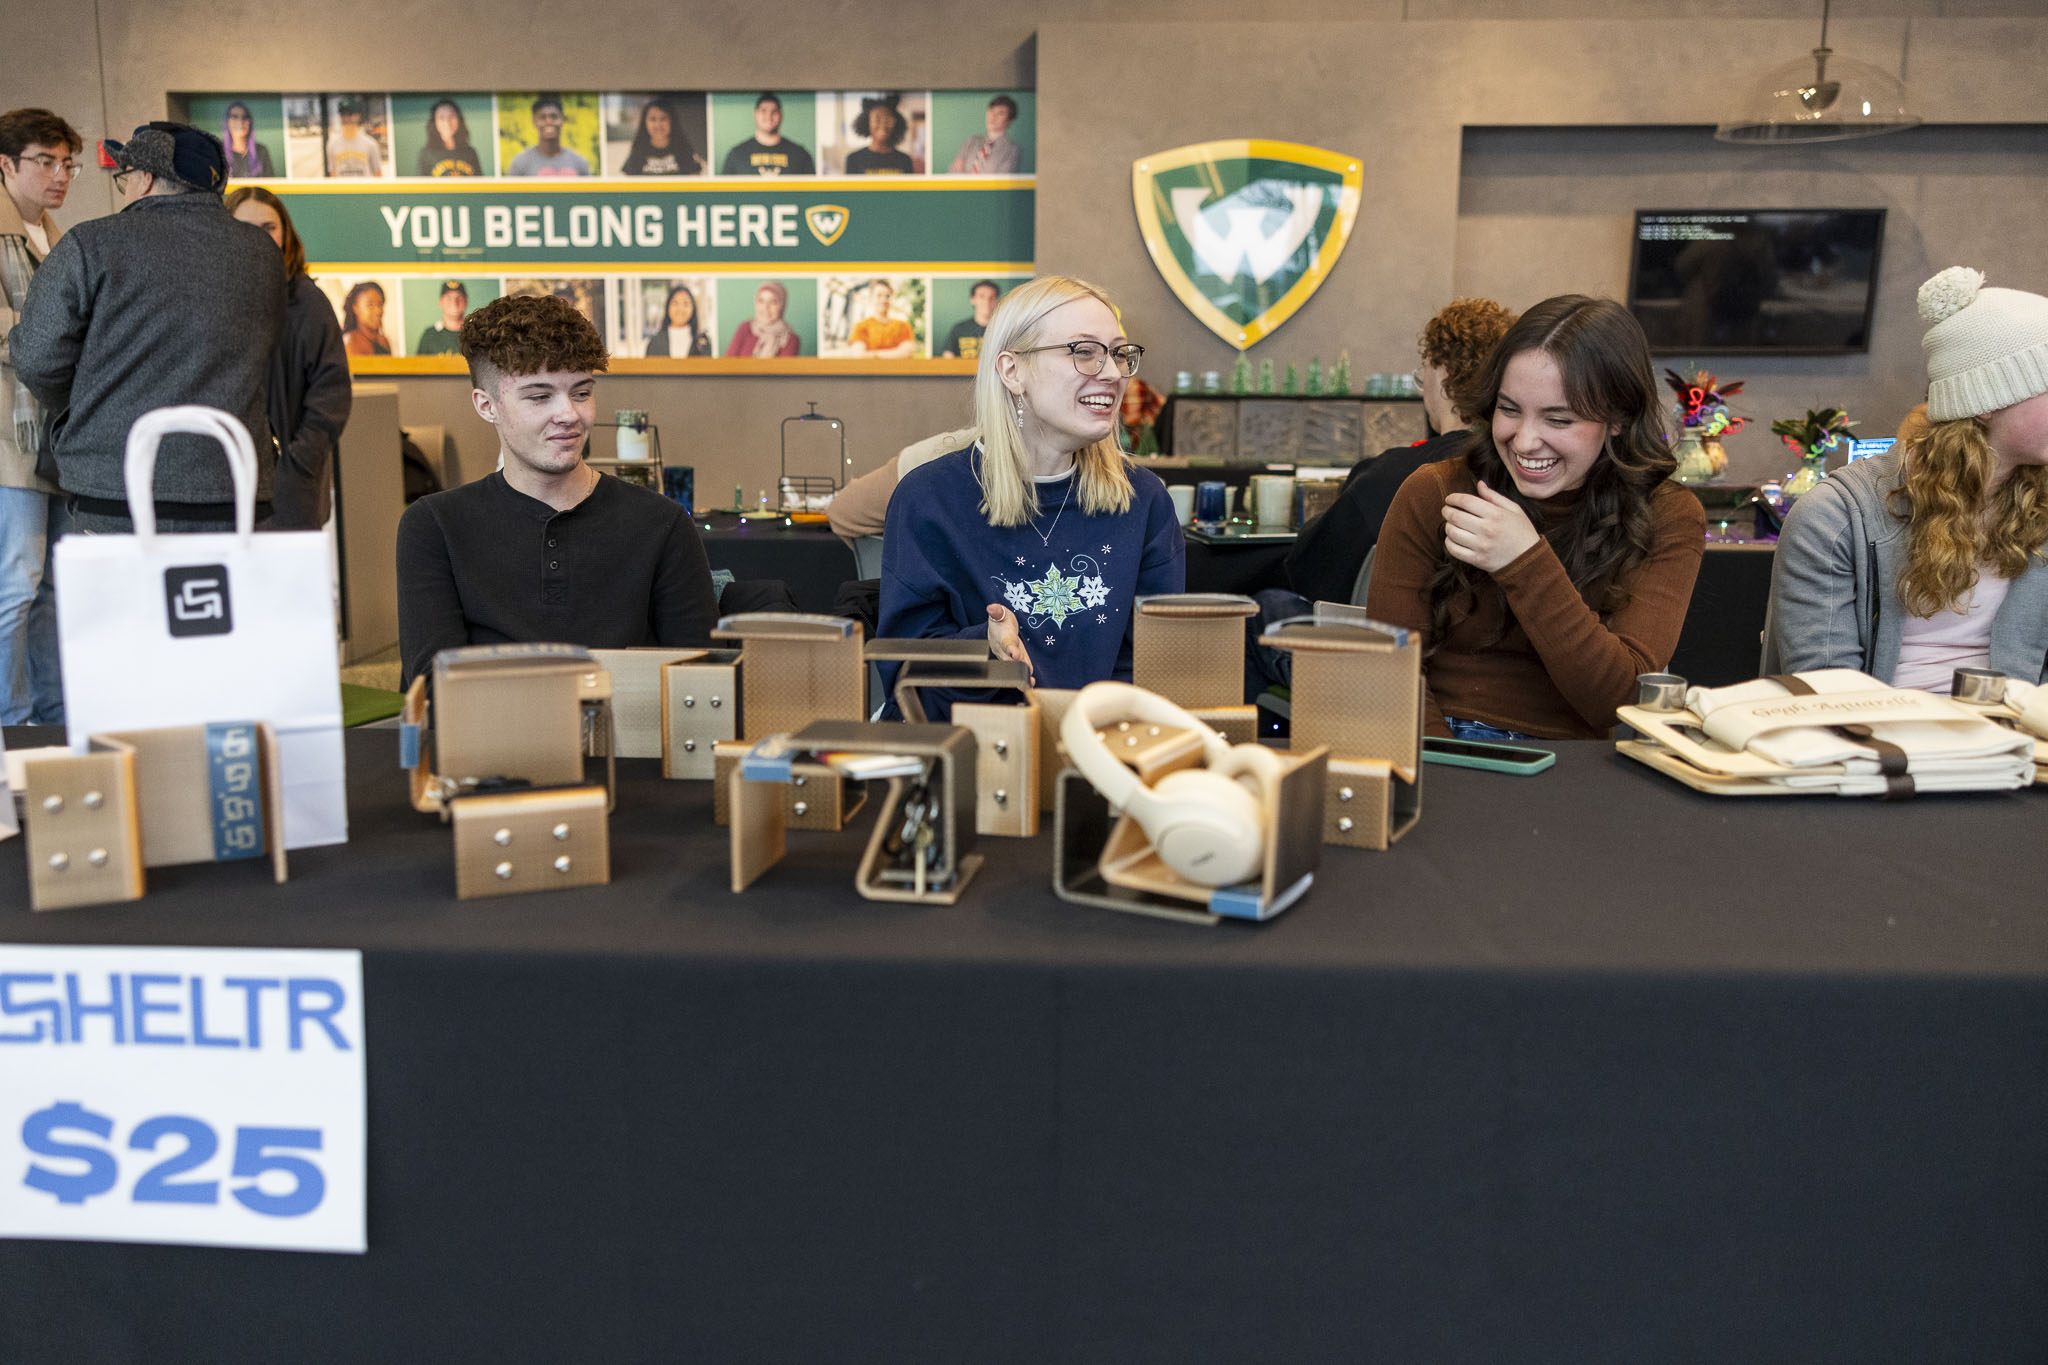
203	1096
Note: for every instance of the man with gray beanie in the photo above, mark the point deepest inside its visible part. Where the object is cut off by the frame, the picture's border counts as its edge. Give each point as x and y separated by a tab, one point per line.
1934	555
168	301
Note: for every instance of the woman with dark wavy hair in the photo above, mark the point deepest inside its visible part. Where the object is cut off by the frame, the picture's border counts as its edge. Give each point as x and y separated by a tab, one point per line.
1553	561
660	146
1934	555
446	150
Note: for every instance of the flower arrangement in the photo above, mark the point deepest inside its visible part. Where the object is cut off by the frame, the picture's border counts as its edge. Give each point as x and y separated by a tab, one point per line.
1702	406
1814	433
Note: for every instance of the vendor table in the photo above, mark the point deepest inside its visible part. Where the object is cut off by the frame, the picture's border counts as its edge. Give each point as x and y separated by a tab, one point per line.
1588	1068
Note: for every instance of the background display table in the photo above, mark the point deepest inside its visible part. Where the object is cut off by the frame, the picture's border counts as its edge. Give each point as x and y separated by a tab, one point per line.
1587	1068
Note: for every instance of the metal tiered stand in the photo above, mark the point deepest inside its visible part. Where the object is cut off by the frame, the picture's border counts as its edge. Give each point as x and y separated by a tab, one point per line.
647	472
807	494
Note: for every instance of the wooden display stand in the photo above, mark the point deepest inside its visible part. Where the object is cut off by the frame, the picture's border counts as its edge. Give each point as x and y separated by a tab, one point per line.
1106	860
1006	737
505	713
1358	693
793	669
700	707
638	721
146	798
504	763
758	805
1189	648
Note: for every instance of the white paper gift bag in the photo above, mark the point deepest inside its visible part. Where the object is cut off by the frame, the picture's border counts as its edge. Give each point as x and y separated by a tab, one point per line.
161	630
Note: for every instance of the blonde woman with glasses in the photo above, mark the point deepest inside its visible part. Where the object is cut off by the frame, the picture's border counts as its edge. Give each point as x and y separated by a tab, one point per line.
1041	535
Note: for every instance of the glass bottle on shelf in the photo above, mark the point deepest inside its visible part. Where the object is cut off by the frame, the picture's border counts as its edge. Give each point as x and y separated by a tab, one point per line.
1812	468
1694	464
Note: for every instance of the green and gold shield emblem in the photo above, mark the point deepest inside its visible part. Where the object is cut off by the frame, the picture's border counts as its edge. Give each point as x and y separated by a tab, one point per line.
1244	232
827	221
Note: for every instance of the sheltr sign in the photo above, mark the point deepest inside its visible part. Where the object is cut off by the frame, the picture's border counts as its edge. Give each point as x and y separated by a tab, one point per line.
197	1096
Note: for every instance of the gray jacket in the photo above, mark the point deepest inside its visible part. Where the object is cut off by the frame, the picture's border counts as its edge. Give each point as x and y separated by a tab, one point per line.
1835	585
168	301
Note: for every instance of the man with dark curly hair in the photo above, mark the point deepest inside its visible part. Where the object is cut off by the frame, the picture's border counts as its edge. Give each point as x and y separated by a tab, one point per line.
1328	554
545	549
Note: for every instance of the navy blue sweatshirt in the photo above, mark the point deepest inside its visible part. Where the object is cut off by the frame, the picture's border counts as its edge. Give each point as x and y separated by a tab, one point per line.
1070	578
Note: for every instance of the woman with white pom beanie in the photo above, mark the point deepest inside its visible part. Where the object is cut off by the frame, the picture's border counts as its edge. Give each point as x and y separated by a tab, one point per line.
1934	555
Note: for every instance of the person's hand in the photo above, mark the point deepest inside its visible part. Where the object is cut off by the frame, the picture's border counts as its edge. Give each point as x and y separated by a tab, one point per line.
1004	641
1486	529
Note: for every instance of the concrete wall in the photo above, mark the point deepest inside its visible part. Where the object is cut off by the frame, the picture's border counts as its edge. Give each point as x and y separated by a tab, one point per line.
1505	141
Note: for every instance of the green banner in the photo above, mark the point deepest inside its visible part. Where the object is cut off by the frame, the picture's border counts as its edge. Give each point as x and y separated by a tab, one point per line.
594	225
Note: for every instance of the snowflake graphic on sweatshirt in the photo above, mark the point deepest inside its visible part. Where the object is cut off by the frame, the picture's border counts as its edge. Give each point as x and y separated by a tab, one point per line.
1056	595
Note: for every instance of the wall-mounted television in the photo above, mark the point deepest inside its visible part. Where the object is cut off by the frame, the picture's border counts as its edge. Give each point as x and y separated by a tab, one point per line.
1755	281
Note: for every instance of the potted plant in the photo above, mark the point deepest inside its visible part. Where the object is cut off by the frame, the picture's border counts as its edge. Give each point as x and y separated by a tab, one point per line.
1703	419
1811	438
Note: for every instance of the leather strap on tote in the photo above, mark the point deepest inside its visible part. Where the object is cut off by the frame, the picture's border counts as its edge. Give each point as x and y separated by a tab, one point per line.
1891	759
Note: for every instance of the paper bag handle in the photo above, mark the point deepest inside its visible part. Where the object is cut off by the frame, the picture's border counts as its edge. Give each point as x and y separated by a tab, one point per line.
196	420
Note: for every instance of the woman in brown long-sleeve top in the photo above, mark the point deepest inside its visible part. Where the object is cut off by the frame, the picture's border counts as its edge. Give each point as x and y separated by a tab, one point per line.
1553	560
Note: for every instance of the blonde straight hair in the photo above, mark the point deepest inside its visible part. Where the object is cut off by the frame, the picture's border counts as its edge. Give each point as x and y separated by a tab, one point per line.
1009	497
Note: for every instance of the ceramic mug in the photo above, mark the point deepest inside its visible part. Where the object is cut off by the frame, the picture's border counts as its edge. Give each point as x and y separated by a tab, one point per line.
1183	495
1212	507
1272	500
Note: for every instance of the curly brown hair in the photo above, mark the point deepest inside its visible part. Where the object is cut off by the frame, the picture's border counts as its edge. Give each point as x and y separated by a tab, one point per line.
1459	339
521	335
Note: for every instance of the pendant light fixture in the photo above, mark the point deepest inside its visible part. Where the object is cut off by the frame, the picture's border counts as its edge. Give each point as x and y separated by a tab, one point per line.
1821	98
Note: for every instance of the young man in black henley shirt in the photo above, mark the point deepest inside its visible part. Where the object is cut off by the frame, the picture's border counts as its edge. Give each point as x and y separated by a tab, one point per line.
545	549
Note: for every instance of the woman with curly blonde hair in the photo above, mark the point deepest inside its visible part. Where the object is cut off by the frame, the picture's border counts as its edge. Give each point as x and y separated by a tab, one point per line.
1934	555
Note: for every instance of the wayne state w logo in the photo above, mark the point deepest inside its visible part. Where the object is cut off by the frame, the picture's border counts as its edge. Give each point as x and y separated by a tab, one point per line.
1245	231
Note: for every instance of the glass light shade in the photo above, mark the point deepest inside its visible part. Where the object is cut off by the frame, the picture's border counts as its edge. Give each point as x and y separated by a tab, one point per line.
1821	98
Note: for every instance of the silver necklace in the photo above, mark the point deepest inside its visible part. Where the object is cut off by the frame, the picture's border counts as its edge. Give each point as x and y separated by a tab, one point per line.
1046	537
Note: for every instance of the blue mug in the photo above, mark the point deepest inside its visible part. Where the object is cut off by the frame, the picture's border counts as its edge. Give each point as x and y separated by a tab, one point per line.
1210	503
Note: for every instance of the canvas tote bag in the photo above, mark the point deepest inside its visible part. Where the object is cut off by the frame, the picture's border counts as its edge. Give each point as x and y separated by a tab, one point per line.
160	630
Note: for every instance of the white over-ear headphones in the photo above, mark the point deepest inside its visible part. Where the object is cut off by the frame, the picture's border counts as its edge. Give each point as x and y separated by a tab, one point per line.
1206	823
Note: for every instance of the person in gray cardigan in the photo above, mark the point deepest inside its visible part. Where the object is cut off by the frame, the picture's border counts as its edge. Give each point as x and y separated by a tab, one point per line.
1934	555
169	301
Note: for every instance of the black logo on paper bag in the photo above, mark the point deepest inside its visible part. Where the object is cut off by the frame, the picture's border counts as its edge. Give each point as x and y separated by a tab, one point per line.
196	600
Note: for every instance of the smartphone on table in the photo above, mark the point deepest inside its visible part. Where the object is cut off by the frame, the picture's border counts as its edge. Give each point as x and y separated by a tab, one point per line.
1495	758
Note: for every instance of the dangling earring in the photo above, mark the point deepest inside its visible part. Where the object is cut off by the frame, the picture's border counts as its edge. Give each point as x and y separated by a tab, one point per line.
1020	414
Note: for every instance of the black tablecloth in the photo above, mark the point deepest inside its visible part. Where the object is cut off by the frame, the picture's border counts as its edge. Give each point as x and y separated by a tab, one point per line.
1588	1068
812	560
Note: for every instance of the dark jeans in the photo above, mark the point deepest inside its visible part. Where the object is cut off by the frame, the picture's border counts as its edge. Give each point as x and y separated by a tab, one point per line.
1264	666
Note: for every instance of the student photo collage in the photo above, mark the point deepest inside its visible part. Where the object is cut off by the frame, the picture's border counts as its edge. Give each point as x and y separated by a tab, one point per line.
529	133
836	317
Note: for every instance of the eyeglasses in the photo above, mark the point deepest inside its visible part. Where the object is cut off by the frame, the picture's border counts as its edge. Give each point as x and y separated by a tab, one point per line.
1089	355
51	163
121	181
